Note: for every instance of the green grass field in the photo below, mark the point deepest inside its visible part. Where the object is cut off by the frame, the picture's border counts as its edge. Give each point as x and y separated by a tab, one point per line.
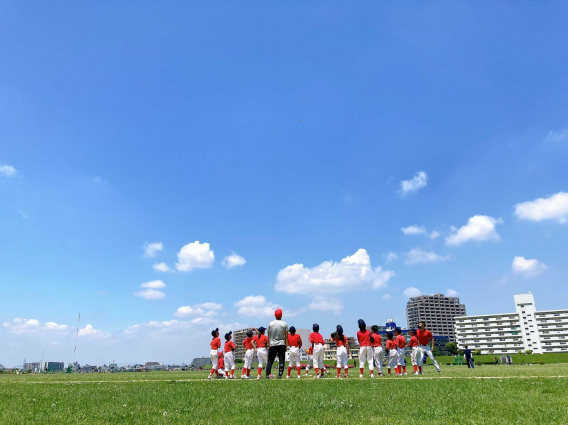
486	395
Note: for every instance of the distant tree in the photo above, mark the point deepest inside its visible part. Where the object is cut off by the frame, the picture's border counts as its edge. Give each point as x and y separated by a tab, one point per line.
529	351
436	351
519	352
477	352
452	348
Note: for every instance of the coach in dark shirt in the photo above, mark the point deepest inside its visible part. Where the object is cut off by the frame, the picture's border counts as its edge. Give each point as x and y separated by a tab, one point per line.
468	358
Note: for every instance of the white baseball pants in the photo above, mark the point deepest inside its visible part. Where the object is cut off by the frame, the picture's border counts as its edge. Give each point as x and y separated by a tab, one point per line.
400	357
262	356
366	355
294	357
379	354
214	359
249	356
426	349
393	355
229	361
415	355
318	356
342	357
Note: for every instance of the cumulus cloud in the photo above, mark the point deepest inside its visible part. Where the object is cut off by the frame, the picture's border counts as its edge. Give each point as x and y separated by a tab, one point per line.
195	255
332	305
151	294
203	309
557	136
353	272
162	267
90	332
553	208
391	256
420	256
419	230
23	326
151	249
233	260
154	284
479	228
7	171
52	326
411	291
386	297
256	306
527	268
413	185
434	235
451	293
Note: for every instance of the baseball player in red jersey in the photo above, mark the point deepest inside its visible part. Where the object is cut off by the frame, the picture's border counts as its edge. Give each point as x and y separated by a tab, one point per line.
249	355
295	344
310	353
426	343
221	364
378	352
400	352
365	351
342	353
391	347
229	356
413	344
215	345
260	343
317	342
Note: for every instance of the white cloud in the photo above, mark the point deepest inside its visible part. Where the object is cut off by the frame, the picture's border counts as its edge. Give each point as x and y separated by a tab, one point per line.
52	326
553	208
7	171
162	267
419	256
351	273
154	284
233	260
527	268
326	304
23	326
151	249
391	256
413	185
97	179
386	297
434	235
90	332
557	136
413	230
451	293
480	228
195	255
151	294
412	292
203	309
256	306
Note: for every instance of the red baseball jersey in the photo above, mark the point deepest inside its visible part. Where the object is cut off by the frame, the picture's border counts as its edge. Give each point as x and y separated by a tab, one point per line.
310	350
413	342
364	338
261	341
378	342
294	340
391	344
215	343
230	346
341	342
316	338
221	363
247	343
400	341
424	337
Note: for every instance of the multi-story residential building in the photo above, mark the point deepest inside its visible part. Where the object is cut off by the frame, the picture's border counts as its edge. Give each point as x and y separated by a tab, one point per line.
238	338
506	333
330	349
438	311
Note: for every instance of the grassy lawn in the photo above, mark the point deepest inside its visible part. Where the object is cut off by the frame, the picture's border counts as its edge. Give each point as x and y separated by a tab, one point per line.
504	394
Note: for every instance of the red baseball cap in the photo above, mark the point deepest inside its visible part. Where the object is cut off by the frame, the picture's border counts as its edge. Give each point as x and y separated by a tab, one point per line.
278	313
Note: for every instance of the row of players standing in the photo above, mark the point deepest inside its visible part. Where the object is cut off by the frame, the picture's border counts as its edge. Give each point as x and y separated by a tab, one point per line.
280	338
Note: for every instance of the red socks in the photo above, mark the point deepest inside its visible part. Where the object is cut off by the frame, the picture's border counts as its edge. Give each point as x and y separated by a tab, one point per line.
232	372
403	369
248	372
415	368
346	372
389	370
299	370
317	371
420	369
212	370
338	372
289	370
259	371
361	370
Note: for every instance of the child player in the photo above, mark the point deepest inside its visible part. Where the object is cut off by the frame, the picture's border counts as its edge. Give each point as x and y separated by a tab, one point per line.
391	351
401	352
365	350
215	345
295	344
317	343
378	353
342	350
413	344
310	353
260	343
426	341
229	356
221	370
249	355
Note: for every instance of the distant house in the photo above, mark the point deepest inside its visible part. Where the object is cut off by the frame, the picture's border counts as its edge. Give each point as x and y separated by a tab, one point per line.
153	366
200	362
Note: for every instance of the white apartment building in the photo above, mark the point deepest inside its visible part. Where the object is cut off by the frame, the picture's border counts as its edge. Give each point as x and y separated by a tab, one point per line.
508	333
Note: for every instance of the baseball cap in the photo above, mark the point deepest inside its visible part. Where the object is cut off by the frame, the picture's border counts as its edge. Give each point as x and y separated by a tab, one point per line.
315	327
228	335
214	332
292	330
261	329
278	313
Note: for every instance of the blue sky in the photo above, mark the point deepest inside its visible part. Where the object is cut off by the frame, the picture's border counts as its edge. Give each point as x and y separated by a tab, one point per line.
281	133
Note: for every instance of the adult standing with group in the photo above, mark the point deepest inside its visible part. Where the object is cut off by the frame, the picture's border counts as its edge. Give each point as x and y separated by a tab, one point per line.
277	343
